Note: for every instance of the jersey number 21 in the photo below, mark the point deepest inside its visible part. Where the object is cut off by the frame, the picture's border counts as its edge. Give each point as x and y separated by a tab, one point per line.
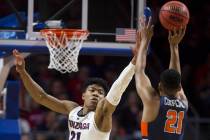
173	123
75	135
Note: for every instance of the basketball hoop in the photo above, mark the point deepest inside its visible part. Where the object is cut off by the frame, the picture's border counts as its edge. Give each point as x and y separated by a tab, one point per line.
64	46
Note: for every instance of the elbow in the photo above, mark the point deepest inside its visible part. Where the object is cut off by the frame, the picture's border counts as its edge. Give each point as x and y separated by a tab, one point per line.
41	97
106	107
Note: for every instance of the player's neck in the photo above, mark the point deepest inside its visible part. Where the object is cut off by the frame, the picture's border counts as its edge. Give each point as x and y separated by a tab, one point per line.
162	93
165	94
85	110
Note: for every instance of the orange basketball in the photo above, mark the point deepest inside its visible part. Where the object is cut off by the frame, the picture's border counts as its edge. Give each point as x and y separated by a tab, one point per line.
174	14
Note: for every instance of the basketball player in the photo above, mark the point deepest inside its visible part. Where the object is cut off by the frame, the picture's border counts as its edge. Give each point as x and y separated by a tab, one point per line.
92	121
164	111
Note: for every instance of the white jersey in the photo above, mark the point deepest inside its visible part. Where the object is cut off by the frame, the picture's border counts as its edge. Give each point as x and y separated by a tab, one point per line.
84	127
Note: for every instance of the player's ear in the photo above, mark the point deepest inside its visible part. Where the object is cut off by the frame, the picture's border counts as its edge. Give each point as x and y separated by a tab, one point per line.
179	88
160	86
83	96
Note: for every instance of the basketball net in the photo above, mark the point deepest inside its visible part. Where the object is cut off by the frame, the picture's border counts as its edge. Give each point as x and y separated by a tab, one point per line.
64	49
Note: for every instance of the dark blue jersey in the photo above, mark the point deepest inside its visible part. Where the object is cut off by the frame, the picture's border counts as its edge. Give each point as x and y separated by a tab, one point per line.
170	122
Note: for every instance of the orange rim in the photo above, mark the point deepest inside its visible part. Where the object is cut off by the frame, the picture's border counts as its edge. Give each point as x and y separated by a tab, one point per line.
69	32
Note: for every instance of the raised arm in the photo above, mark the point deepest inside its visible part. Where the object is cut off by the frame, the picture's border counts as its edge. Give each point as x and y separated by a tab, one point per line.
143	84
106	107
37	93
175	38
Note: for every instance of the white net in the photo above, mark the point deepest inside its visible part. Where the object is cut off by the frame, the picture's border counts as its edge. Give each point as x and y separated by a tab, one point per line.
64	50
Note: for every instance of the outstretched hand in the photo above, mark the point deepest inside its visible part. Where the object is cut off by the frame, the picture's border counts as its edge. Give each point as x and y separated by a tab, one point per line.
136	48
146	29
176	36
143	35
19	61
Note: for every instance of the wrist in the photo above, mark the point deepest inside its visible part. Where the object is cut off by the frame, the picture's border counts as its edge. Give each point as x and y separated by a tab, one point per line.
133	61
144	46
145	41
22	72
174	45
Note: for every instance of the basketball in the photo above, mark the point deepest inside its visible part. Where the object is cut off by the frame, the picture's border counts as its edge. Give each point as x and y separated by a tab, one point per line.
174	15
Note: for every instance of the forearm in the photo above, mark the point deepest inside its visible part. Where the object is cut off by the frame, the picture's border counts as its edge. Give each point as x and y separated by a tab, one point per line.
125	77
141	58
106	107
119	86
142	81
174	60
36	92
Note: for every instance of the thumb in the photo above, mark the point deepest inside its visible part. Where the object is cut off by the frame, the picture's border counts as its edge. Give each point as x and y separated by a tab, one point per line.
17	55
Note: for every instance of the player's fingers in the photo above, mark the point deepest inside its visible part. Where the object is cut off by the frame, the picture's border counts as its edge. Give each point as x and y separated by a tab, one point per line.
184	30
169	34
142	20
145	21
179	31
138	36
151	32
16	52
174	32
149	22
19	60
152	29
139	24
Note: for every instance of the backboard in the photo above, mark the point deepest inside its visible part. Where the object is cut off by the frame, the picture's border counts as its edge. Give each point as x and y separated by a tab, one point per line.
100	18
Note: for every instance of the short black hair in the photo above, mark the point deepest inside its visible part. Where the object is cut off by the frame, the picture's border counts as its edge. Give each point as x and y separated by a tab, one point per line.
170	79
98	81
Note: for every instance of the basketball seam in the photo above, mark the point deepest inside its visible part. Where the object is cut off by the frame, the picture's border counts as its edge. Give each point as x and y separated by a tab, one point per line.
167	20
175	13
177	2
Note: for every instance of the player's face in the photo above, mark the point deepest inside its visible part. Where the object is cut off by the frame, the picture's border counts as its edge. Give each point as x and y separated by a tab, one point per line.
93	94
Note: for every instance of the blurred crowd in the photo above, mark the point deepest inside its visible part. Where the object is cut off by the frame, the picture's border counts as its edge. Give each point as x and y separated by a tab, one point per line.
39	120
195	64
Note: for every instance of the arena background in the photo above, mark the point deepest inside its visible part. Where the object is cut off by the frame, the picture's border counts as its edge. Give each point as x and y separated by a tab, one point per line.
104	16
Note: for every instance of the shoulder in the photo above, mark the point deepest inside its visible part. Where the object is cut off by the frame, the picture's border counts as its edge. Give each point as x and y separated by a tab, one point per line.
71	106
154	102
74	113
153	98
182	97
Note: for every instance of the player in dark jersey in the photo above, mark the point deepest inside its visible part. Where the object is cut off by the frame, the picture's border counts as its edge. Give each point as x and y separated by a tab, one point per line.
164	110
